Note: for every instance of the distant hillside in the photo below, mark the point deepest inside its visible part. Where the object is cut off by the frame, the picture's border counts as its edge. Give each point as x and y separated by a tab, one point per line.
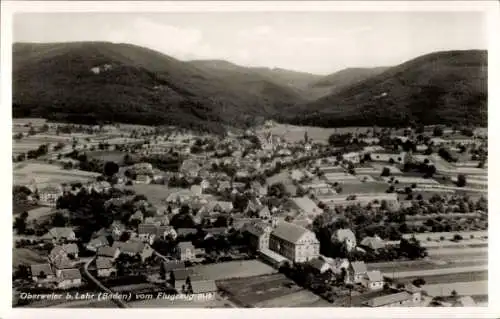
443	87
299	82
95	81
346	77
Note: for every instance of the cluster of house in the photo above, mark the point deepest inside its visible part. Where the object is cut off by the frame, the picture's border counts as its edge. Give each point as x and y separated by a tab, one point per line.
62	269
48	194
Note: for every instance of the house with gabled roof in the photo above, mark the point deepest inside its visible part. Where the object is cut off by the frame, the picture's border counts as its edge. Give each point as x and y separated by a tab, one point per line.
60	234
373	280
258	189
41	272
117	229
49	195
264	213
346	237
96	243
109	252
258	234
465	301
138	216
398	299
185	251
105	266
134	248
190	168
357	271
294	242
69	278
373	243
253	206
183	232
305	205
68	250
319	265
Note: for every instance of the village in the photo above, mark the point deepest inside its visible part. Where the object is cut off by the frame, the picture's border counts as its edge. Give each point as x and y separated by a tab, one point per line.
271	216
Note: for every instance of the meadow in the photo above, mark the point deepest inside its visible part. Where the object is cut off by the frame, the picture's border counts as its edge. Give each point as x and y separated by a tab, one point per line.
25	173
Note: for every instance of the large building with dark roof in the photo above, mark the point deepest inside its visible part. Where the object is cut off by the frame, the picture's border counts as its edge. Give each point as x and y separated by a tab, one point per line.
296	243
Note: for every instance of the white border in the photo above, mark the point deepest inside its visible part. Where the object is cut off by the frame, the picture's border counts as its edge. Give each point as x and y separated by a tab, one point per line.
10	7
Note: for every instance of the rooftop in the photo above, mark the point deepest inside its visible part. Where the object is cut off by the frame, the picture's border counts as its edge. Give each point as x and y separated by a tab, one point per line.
289	232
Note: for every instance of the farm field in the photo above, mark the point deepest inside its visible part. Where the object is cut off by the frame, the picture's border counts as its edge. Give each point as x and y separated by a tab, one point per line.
24	173
449	252
40	213
303	298
376	187
107	156
451	245
29	143
253	291
25	256
457	277
233	269
156	194
421	265
437	272
462	288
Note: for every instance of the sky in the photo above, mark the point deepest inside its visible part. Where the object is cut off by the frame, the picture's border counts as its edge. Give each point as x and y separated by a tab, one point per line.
314	42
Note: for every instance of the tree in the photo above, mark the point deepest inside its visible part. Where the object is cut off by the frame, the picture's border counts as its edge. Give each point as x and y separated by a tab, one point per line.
438	131
20	225
171	280
125	236
32	131
430	171
418	282
461	180
278	190
59	220
385	172
110	168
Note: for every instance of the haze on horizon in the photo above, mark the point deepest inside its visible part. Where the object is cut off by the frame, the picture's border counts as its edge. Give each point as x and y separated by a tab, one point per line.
314	42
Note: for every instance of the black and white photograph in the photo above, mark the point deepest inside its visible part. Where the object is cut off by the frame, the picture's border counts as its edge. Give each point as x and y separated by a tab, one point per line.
219	158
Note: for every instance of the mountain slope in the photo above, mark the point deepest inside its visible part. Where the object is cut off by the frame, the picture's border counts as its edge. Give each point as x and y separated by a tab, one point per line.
299	82
443	87
346	77
135	85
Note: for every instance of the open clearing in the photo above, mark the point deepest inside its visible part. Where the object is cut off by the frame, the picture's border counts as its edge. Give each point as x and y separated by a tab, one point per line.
437	272
367	187
452	277
107	156
40	213
156	194
29	143
26	256
303	298
234	269
440	252
267	291
418	265
24	173
462	288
